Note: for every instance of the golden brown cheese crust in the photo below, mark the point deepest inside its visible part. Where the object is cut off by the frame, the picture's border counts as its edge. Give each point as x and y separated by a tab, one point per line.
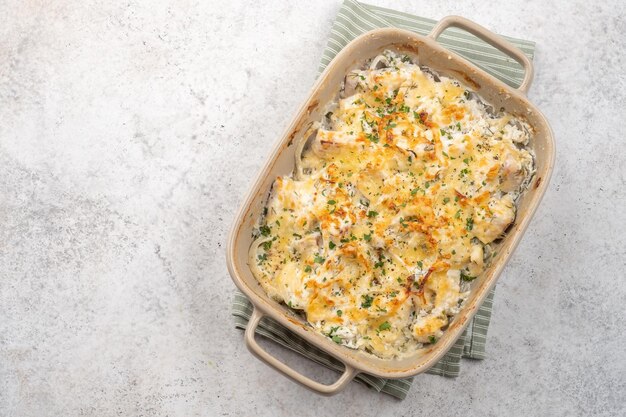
393	204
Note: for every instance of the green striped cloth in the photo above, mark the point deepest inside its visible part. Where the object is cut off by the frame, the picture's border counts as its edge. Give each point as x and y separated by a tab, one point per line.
352	20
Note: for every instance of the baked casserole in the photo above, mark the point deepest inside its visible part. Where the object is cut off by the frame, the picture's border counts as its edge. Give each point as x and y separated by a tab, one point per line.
397	198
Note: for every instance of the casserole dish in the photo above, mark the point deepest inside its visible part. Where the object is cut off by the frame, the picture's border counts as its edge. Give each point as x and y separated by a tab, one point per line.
281	162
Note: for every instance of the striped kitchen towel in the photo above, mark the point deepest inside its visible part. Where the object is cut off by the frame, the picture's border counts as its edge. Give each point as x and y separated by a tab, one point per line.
352	20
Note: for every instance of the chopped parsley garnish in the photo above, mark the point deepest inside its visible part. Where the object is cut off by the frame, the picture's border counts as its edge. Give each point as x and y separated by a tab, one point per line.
457	215
384	326
339	313
368	237
337	339
332	202
373	138
265	230
267	245
372	213
367	301
432	339
469	223
331	245
318	259
446	200
307	268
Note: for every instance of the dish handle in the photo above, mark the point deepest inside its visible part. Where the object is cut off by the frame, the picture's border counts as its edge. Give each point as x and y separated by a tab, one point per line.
492	39
347	376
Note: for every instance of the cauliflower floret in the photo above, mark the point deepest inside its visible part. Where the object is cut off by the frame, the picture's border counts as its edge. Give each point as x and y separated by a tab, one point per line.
428	326
475	266
288	286
328	142
515	168
491	222
515	134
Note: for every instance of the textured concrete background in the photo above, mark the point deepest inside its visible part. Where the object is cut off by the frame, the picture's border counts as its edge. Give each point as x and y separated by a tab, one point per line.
129	132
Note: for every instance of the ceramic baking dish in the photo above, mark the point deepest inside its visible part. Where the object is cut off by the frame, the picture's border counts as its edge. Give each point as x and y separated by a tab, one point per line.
281	162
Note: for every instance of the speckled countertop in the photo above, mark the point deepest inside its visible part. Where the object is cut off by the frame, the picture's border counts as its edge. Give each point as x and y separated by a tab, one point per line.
129	132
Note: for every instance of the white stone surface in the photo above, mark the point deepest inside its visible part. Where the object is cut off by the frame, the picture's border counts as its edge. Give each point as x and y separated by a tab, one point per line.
129	132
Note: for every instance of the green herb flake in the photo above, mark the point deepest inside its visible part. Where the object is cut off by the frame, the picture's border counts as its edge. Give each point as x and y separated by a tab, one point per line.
318	259
372	213
384	326
373	138
367	301
339	313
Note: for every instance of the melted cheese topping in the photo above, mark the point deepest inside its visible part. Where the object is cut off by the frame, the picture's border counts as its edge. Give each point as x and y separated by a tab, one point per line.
396	197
